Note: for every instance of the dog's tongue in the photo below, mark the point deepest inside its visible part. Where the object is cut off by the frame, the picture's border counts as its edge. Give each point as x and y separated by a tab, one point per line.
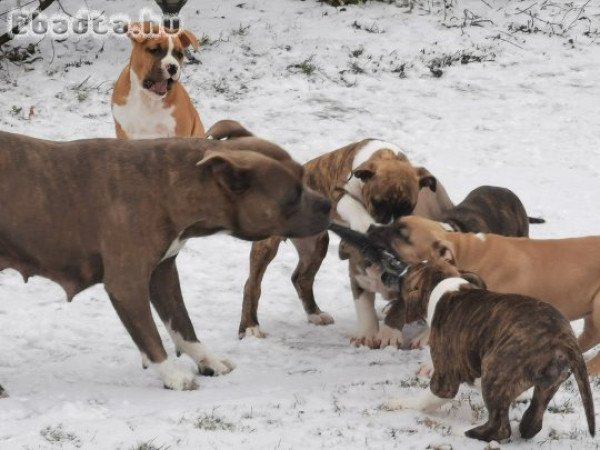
160	87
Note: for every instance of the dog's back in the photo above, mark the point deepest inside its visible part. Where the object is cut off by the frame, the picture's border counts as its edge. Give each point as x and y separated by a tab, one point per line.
490	209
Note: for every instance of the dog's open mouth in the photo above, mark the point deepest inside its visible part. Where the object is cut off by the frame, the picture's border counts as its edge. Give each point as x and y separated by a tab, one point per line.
159	87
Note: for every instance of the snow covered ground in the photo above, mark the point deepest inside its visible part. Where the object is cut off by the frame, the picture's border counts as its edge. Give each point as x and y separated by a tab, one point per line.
522	112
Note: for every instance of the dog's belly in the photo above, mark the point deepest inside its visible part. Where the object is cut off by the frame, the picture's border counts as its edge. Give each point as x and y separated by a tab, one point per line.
140	120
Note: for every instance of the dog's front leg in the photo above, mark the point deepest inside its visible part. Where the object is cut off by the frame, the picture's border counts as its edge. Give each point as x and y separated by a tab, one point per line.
425	401
128	292
165	294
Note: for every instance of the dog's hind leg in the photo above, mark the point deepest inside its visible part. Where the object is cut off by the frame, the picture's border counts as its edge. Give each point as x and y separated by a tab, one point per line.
261	255
531	422
497	398
128	291
165	294
312	251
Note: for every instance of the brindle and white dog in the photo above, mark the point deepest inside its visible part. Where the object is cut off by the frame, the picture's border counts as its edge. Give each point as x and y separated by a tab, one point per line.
508	342
368	182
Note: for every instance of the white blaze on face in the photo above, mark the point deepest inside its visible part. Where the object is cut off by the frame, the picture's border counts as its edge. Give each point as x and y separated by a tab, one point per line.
170	60
348	207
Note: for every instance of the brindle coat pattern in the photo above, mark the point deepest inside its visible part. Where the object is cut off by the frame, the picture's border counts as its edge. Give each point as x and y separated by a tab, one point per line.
391	188
512	342
106	211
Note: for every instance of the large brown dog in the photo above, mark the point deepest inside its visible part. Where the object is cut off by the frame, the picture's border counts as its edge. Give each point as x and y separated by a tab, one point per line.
509	342
148	100
563	272
368	182
117	212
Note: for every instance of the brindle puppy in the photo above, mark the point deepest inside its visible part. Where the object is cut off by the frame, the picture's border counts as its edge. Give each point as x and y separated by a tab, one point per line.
510	342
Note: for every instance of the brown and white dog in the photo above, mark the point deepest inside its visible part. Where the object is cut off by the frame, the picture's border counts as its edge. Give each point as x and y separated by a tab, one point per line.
506	343
562	272
368	182
148	100
84	212
486	209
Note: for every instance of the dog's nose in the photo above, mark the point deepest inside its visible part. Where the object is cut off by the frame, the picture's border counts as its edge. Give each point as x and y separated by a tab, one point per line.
322	206
172	69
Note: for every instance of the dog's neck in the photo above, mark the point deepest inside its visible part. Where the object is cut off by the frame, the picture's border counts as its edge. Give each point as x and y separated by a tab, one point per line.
448	285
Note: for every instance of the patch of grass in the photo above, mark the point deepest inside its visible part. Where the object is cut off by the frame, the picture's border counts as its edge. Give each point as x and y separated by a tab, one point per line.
241	30
149	445
211	422
356	53
306	67
414	382
356	68
434	425
565	408
373	28
57	435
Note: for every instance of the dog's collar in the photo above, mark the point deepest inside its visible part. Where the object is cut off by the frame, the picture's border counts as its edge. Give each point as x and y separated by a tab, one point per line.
444	286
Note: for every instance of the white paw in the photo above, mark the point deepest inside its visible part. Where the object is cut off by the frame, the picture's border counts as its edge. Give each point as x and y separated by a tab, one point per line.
212	366
389	336
254	331
145	361
368	339
175	378
426	370
421	341
321	318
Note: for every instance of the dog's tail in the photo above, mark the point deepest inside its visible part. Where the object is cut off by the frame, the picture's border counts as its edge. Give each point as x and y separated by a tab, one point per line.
227	129
536	220
582	378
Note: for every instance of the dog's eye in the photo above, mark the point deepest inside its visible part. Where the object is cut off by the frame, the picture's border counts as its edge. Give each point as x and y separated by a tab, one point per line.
154	51
178	54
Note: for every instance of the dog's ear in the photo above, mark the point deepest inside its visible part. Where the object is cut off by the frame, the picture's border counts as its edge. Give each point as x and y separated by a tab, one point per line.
228	172
442	250
365	171
474	279
426	179
188	38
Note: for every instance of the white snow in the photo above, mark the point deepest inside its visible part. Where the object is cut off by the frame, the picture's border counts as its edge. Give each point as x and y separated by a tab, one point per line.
526	117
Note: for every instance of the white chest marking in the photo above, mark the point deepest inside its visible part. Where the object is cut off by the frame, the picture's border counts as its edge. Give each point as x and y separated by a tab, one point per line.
174	248
143	115
349	209
444	286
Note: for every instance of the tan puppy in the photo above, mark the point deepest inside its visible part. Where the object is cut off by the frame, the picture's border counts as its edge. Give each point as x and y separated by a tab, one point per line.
368	182
148	100
563	272
505	343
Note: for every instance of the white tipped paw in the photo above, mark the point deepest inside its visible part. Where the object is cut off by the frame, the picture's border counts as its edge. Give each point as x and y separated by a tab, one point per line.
212	366
426	370
254	331
321	318
368	339
175	378
421	341
389	337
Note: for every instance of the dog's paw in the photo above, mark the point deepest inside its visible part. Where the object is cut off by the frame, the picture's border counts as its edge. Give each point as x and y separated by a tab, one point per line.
321	318
175	378
426	370
212	366
389	337
254	331
421	341
369	339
